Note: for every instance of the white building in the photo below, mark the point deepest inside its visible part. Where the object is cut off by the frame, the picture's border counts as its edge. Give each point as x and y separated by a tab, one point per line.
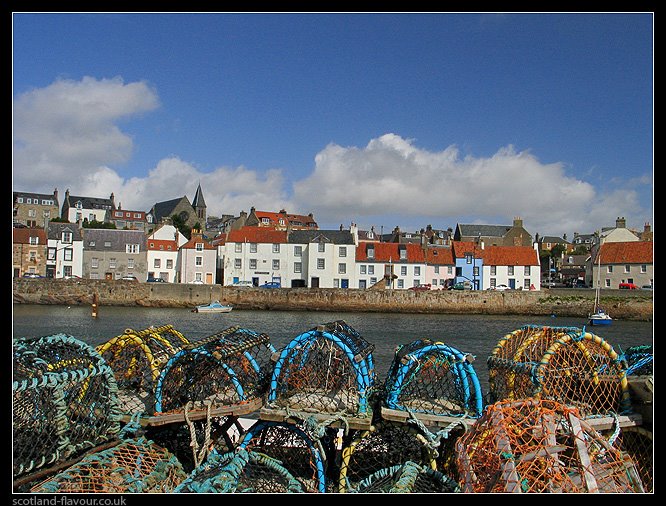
197	261
162	250
64	255
517	267
401	266
322	259
255	254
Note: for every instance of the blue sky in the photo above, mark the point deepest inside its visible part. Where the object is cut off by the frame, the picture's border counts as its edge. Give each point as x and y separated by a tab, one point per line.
376	119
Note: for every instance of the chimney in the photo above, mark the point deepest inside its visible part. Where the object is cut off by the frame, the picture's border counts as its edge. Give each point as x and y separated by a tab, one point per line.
113	200
620	222
517	222
341	227
55	195
646	228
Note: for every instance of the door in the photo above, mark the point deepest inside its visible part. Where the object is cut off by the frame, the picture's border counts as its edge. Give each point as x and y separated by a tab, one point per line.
362	284
344	283
512	284
314	283
209	278
255	281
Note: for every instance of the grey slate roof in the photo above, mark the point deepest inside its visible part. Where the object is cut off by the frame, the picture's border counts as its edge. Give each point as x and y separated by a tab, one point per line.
162	209
56	229
117	238
198	198
483	230
333	236
40	196
91	202
552	238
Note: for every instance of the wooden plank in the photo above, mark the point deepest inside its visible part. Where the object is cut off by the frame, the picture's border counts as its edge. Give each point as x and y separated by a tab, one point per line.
168	418
584	457
427	419
547	451
281	415
509	472
608	422
469	478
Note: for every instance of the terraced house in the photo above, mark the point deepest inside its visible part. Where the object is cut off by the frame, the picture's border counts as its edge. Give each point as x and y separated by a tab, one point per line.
112	254
65	251
390	265
35	209
76	209
255	254
613	263
28	251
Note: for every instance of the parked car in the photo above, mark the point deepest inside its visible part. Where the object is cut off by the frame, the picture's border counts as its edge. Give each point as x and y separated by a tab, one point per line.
646	287
241	284
462	285
156	280
31	275
197	282
419	288
627	286
72	276
129	277
500	287
270	284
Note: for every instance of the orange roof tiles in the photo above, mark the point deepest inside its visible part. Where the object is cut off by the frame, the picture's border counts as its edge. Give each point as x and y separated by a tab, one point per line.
510	255
161	245
460	248
257	235
23	235
291	218
389	252
635	252
439	256
197	239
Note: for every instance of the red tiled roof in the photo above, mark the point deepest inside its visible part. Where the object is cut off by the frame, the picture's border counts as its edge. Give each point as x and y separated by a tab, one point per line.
440	256
166	245
510	255
634	252
23	235
462	247
191	244
290	218
257	235
389	252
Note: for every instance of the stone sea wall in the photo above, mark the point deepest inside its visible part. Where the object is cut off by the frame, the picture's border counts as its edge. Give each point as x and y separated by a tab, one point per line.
621	304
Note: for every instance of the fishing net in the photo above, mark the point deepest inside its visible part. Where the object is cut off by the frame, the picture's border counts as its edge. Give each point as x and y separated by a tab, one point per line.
637	443
565	364
292	446
135	465
241	471
137	357
540	445
328	369
433	378
385	445
407	478
226	373
64	401
639	360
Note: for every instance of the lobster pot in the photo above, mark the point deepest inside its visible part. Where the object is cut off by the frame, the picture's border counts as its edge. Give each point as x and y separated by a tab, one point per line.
133	466
137	357
540	445
636	442
227	372
639	360
407	478
385	445
295	448
328	369
433	378
241	471
64	401
565	364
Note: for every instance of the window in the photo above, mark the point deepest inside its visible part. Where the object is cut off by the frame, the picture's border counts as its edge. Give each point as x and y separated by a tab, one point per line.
468	258
238	248
79	216
449	269
281	221
67	237
403	270
434	282
570	260
371	252
253	263
94	275
342	268
493	282
137	215
157	263
510	270
371	269
609	269
343	251
475	271
20	200
321	264
401	283
298	267
436	269
94	263
442	282
169	264
493	270
33	240
112	263
197	276
373	281
362	269
91	244
527	270
46	214
253	247
607	284
643	269
336	283
298	251
66	270
276	265
321	247
265	221
130	263
198	261
51	254
627	269
132	248
403	254
417	271
276	248
32	255
238	263
107	244
199	246
526	283
118	214
128	215
32	213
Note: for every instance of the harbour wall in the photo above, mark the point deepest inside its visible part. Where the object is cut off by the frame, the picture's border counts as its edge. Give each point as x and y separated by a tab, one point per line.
621	304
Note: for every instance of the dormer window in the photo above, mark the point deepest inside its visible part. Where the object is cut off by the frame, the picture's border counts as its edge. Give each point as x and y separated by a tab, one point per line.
79	205
67	237
371	252
265	221
281	221
34	240
199	246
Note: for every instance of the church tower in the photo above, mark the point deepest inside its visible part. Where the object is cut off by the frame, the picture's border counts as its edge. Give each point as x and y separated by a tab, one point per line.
199	205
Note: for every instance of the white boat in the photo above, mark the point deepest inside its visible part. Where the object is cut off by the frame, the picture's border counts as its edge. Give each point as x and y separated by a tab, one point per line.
213	307
599	316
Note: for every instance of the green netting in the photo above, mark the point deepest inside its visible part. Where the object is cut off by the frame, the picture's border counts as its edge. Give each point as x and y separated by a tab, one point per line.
64	401
409	477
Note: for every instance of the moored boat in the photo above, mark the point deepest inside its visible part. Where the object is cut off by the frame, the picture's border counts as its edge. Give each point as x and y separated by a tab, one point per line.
214	307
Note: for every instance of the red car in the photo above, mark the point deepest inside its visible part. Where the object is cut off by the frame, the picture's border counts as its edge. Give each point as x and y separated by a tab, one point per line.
419	288
628	286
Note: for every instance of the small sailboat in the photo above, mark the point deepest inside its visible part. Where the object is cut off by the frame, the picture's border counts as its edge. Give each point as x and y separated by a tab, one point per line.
599	315
213	307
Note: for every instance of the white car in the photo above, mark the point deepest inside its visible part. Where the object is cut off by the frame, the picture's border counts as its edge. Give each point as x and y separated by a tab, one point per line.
197	282
240	284
499	288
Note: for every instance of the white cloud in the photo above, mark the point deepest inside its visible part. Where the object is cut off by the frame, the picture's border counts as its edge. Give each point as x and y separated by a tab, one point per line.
67	131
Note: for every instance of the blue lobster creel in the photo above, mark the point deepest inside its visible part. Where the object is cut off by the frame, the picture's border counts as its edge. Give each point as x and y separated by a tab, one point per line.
433	378
240	471
64	401
229	368
328	369
292	447
639	360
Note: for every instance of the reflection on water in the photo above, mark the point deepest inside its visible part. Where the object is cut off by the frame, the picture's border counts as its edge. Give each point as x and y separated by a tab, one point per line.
475	334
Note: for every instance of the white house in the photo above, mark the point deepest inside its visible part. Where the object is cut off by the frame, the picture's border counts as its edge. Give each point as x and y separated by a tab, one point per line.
255	254
197	261
321	258
77	209
400	265
64	256
618	234
513	266
162	249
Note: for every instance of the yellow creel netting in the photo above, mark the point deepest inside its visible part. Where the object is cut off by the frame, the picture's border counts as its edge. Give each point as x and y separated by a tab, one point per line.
565	364
537	445
637	443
